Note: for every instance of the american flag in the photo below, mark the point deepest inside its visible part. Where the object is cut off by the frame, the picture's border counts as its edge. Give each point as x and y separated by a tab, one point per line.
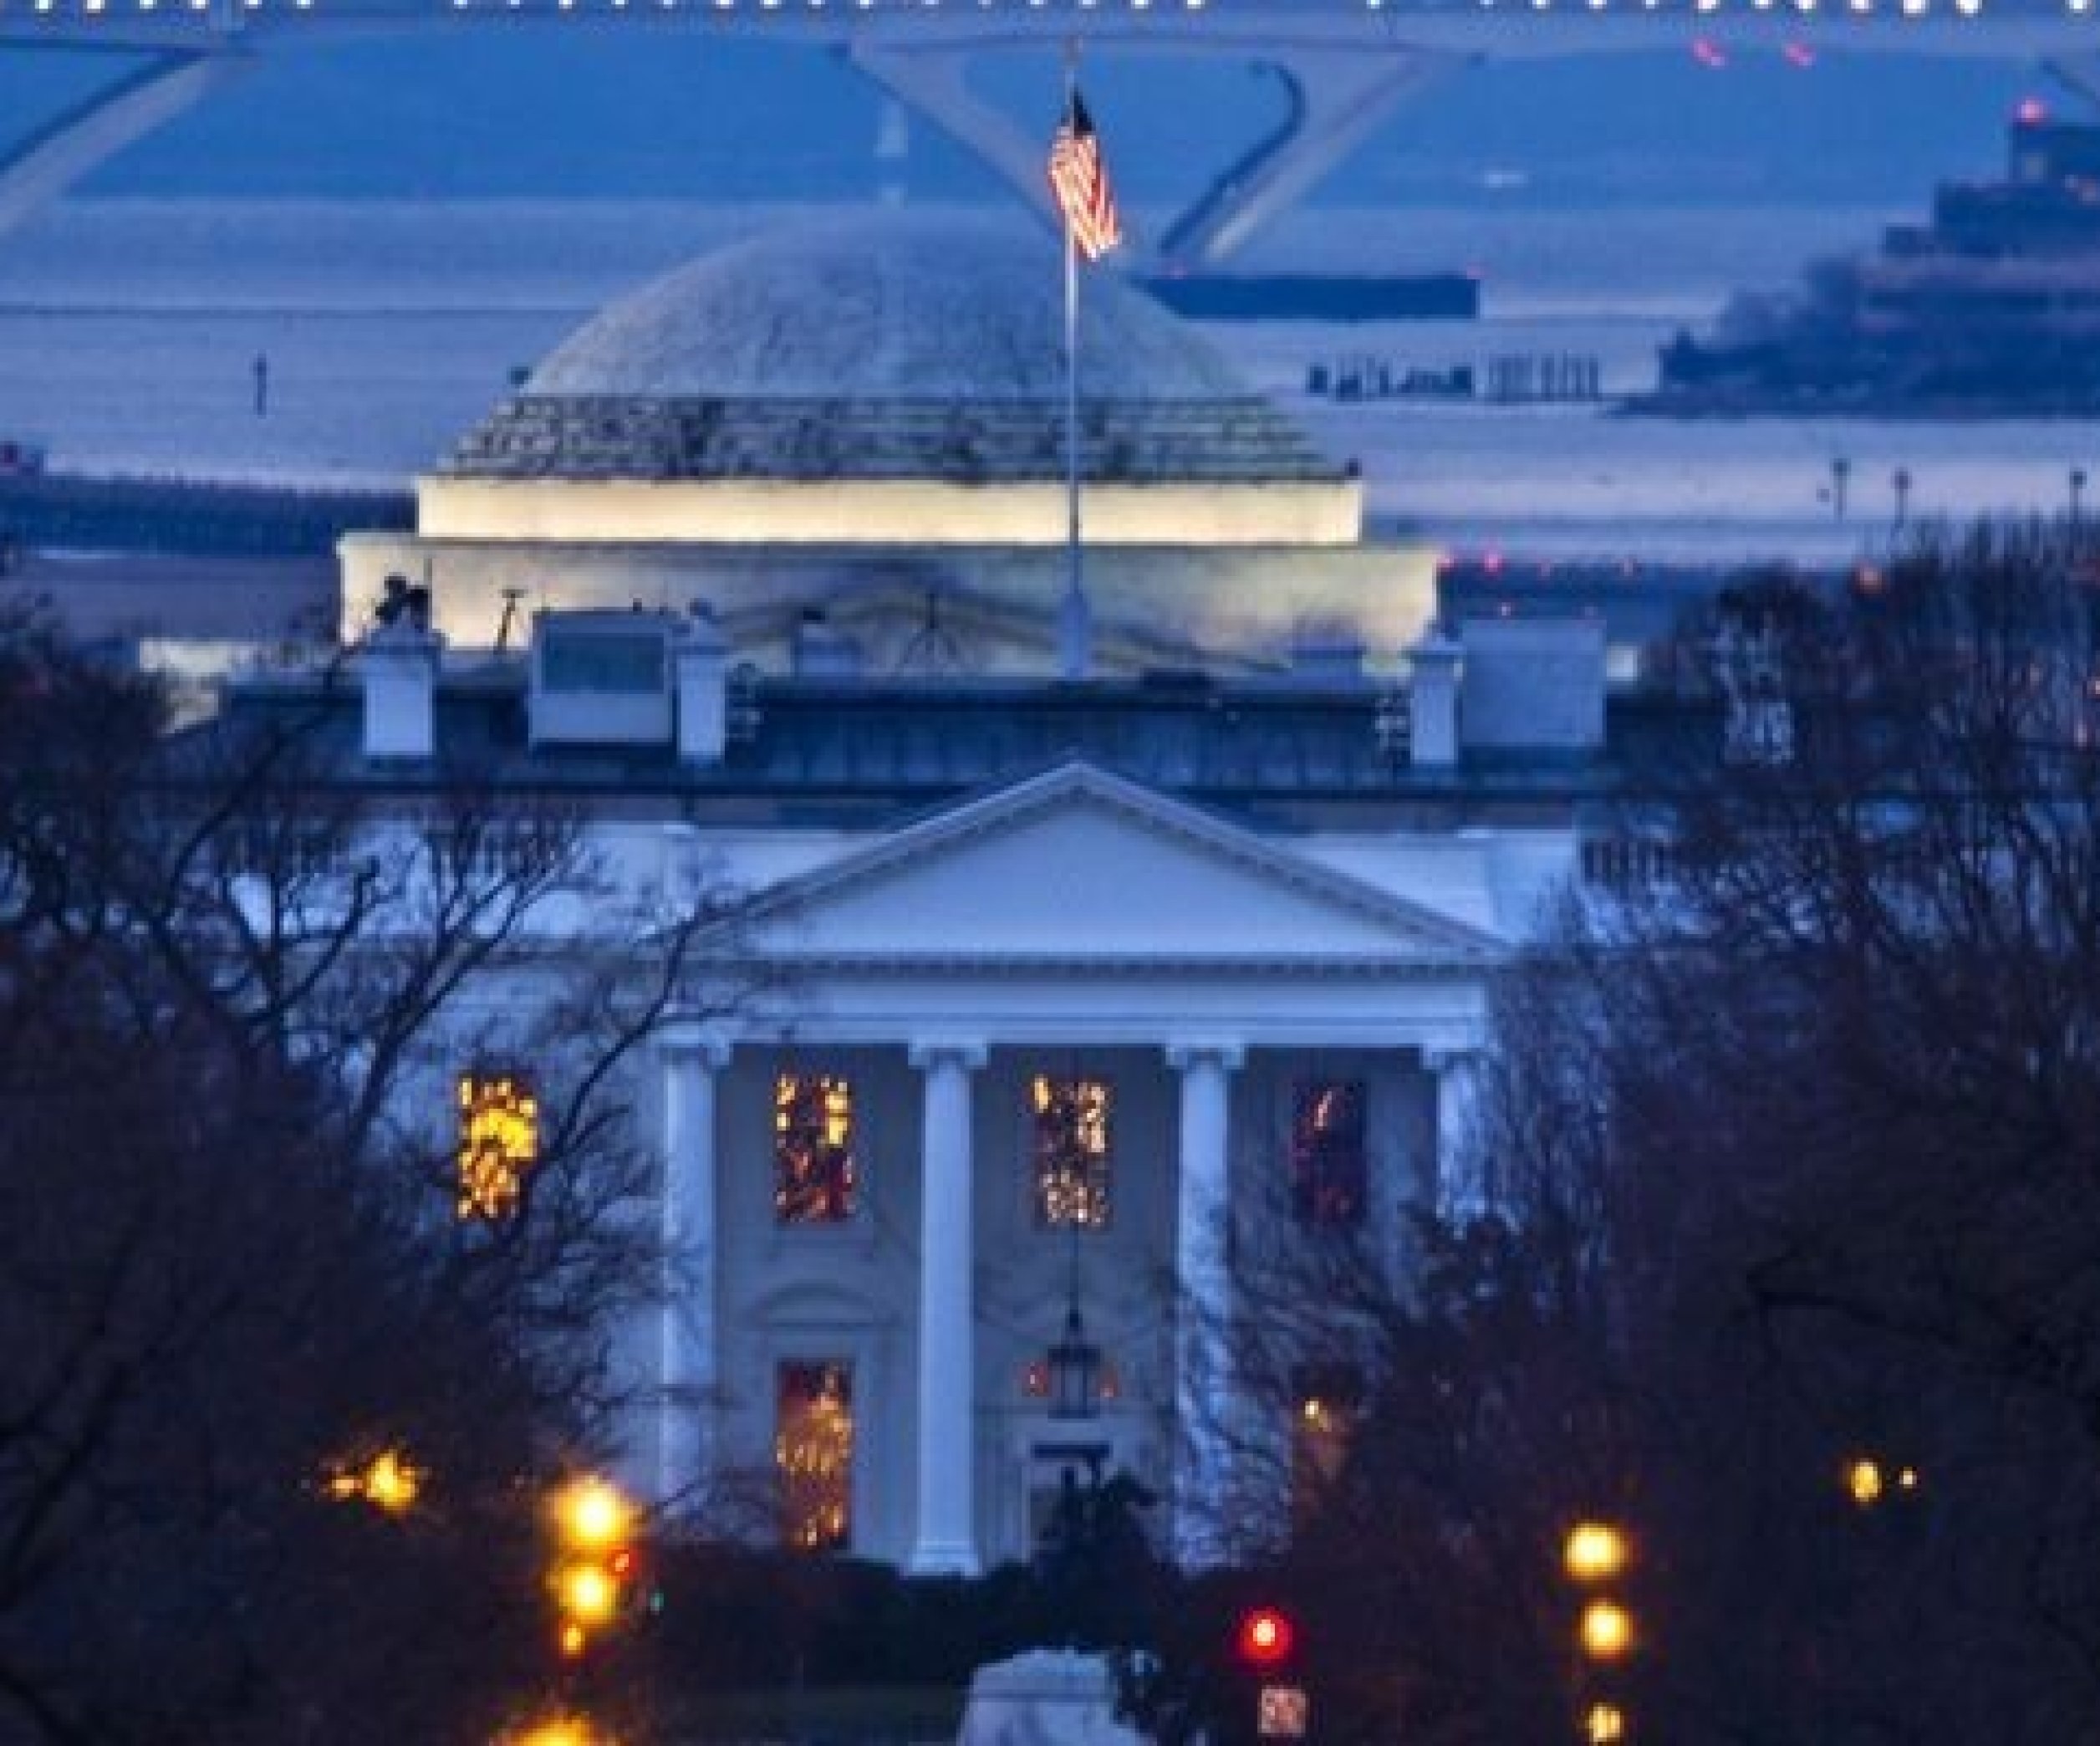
1080	180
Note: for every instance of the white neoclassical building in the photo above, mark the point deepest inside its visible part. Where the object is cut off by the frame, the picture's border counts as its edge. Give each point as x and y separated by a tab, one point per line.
1074	985
1071	992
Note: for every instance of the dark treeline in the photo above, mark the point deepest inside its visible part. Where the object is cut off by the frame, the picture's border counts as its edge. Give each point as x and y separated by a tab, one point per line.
1790	1267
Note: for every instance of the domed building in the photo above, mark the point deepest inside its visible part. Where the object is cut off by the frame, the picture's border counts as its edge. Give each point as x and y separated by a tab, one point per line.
868	422
1012	997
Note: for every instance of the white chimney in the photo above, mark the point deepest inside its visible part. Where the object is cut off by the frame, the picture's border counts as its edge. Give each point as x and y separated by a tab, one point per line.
823	651
1534	685
1433	701
702	653
399	665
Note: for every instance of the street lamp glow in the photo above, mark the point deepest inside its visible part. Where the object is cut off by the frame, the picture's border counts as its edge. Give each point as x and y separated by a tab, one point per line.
1595	1552
392	1483
388	1482
1863	1481
1606	1631
588	1592
593	1515
561	1731
1603	1724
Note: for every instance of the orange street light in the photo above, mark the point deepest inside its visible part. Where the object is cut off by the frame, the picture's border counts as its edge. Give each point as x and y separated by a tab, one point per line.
1595	1552
560	1731
593	1514
1604	1724
392	1483
388	1482
1606	1631
1863	1481
589	1593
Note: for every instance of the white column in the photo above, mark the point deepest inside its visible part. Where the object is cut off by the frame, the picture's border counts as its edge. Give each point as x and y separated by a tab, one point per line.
1461	1163
1204	1417
688	1366
945	1540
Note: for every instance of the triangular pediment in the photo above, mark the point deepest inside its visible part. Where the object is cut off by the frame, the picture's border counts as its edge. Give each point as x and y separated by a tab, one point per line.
1076	866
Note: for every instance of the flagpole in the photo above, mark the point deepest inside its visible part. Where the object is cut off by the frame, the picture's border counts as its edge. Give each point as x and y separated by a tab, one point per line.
1074	626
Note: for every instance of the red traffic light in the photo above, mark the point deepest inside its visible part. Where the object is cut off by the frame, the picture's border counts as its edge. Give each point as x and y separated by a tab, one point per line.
1266	1637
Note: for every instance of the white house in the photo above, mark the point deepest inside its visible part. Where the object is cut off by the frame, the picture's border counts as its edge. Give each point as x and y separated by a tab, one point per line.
1080	978
1070	987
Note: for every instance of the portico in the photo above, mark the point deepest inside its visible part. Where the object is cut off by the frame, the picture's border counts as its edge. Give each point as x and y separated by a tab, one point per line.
1058	1035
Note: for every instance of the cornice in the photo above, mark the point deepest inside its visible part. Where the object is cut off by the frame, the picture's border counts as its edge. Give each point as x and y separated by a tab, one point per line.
1162	816
1131	965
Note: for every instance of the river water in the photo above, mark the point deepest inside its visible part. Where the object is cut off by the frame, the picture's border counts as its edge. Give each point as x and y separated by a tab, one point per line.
131	330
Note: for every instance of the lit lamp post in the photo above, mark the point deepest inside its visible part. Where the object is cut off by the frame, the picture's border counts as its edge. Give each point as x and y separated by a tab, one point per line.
1594	1556
593	1515
1867	1481
1074	1366
1595	1552
1072	1377
389	1482
1606	1631
594	1525
1073	1362
560	1731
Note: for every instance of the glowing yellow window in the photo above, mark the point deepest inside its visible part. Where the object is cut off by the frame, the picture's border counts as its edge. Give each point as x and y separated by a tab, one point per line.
816	1178
499	1142
813	1454
1327	1172
1071	1151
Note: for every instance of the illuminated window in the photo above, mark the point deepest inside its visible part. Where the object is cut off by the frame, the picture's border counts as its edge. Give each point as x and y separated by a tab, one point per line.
815	1177
1328	1400
499	1142
1071	1151
812	1452
1327	1151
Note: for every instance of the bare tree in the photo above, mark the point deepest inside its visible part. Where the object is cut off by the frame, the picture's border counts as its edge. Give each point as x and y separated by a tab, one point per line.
1795	1270
235	989
1858	1026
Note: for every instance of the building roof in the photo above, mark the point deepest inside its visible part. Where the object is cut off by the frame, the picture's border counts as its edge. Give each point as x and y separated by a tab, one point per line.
1290	753
894	307
898	348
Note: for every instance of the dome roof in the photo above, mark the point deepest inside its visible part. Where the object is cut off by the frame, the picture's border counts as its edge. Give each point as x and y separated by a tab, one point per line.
891	348
892	307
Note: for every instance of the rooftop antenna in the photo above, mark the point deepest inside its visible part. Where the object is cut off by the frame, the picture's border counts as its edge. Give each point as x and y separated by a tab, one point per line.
512	595
932	650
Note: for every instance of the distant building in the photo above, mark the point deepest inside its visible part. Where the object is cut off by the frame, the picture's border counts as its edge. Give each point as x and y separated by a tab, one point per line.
1991	307
868	423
